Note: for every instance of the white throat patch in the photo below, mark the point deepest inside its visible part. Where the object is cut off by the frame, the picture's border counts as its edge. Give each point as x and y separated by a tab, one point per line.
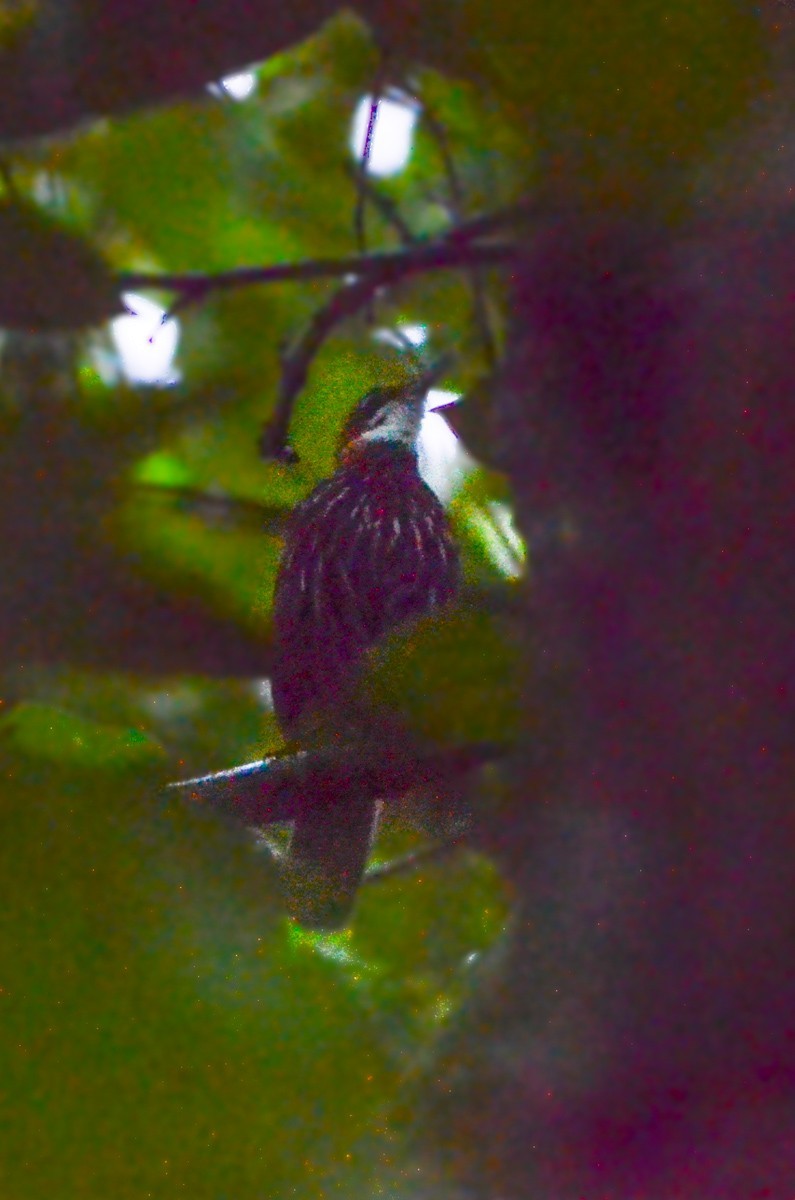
397	422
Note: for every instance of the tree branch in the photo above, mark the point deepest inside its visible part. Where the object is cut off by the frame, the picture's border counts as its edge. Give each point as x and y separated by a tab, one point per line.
455	250
346	302
271	790
385	205
460	248
456	205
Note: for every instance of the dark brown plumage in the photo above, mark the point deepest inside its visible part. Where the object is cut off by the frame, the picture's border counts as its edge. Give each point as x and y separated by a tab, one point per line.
369	550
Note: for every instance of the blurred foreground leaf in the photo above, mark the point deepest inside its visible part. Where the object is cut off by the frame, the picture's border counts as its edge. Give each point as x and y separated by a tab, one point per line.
49	734
164	1025
50	278
456	676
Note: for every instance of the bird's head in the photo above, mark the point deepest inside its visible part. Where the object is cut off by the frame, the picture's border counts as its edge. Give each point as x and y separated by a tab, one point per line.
391	415
386	415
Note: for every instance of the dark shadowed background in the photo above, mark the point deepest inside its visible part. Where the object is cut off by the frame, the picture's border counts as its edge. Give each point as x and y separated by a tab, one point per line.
595	997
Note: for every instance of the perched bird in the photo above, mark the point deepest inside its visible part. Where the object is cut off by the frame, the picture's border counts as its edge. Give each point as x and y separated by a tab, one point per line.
369	550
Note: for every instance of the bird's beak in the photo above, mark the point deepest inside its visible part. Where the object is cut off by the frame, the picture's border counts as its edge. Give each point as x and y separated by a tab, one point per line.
447	405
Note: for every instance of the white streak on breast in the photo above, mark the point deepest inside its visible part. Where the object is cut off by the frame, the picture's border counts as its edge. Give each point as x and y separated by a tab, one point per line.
418	542
336	498
319	590
356	508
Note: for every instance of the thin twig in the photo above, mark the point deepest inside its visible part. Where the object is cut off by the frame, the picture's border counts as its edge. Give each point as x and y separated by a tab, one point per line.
479	307
365	189
345	303
410	862
384	204
361	175
458	248
497	221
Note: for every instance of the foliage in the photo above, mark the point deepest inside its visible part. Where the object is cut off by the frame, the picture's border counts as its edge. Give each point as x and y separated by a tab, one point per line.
165	1025
164	1028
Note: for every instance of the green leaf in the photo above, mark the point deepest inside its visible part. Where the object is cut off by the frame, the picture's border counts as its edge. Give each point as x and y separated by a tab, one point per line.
152	1002
46	733
145	956
231	569
202	723
50	278
455	675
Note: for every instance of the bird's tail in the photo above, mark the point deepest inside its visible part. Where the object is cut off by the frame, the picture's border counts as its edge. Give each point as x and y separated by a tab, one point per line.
332	797
328	854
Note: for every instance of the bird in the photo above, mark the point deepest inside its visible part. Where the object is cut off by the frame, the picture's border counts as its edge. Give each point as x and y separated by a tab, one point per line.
367	553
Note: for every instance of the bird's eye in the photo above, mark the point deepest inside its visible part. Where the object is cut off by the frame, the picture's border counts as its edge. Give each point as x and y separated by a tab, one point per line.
370	408
375	418
372	412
